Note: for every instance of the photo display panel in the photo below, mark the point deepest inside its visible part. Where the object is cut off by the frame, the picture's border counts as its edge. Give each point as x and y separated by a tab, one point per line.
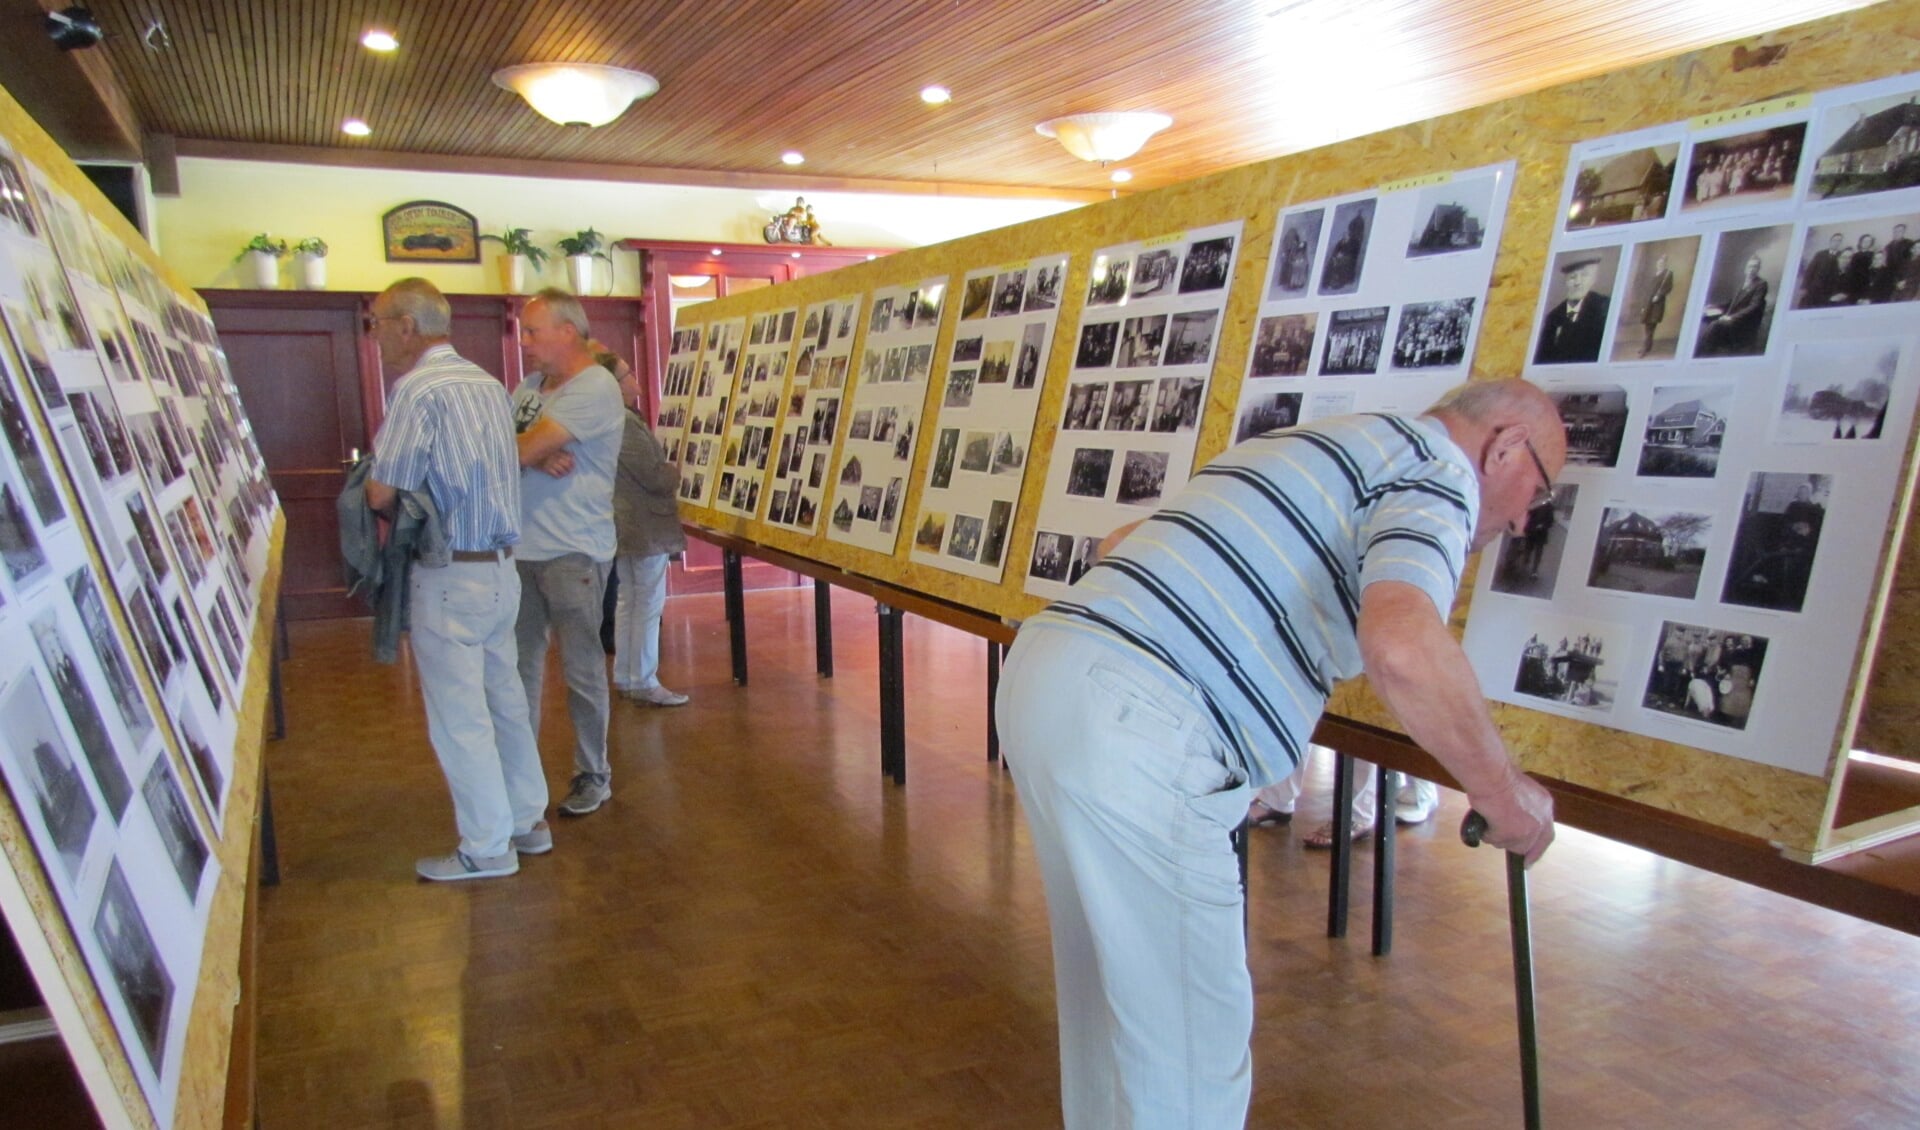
818	385
676	390
1143	357
1728	322
1373	302
990	389
89	757
897	359
707	423
757	394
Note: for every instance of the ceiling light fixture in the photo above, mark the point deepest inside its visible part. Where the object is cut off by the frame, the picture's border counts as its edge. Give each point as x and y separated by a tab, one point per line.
1104	137
354	127
377	39
935	95
1121	176
716	252
793	157
576	94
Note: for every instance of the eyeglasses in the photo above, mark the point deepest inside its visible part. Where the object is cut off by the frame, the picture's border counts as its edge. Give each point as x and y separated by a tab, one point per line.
372	322
1544	495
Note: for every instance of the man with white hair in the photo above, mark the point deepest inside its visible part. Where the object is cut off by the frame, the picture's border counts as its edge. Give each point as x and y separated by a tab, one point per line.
569	417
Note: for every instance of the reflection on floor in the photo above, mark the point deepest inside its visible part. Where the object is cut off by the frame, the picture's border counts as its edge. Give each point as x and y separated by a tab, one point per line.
759	932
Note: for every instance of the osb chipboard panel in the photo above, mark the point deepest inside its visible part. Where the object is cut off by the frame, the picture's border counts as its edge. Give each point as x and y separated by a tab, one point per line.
1535	131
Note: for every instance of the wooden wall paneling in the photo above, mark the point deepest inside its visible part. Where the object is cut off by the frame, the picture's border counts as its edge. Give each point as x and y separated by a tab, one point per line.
1536	130
482	334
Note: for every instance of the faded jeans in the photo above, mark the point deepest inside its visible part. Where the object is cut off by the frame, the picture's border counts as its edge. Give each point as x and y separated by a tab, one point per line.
561	598
636	621
1131	800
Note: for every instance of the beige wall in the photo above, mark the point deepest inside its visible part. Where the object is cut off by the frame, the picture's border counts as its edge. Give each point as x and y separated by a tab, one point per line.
223	203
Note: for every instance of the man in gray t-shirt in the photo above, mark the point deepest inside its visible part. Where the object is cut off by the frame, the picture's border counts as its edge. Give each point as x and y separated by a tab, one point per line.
569	418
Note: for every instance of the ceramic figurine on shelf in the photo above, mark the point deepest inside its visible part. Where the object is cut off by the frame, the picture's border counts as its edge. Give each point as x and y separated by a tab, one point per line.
795	225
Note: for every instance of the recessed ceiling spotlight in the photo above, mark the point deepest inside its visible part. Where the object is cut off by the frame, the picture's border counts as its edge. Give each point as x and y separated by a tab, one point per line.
354	127
379	40
796	255
936	95
716	251
1121	176
793	157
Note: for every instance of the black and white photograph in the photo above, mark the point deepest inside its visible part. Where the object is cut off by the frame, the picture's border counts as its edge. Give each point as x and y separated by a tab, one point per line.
146	629
976	301
862	426
1282	345
1649	318
1143	476
1190	337
1349	233
1706	674
1775	542
1206	265
1743	292
1177	402
994	543
1745	169
1009	291
151	553
903	443
20	549
890	505
1579	303
1686	426
1043	293
1097	343
1026	366
945	451
121	684
198	654
919	362
1086	407
1130	407
996	363
33	354
1009	455
1087	476
28	457
42	761
1572	663
179	832
1596	420
1652	550
1451	217
1141	340
959	388
1154	273
1866	262
1433	335
1267	412
226	632
1529	563
1298	242
869	508
1623	188
879	322
1052	555
142	980
1107	285
1838	391
1867	147
1353	341
965	542
966	349
1085	550
89	725
976	453
886	422
931	532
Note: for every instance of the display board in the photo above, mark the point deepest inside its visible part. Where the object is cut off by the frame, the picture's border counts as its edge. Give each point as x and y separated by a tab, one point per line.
700	451
1544	138
814	393
676	389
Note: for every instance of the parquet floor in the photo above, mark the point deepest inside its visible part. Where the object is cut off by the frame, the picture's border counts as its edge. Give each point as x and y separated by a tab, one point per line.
759	932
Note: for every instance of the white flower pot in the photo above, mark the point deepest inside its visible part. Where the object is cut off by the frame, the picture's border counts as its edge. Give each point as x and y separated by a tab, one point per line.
580	273
264	268
513	271
312	272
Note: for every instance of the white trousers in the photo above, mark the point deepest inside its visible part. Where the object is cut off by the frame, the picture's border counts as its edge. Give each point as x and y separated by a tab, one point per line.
636	621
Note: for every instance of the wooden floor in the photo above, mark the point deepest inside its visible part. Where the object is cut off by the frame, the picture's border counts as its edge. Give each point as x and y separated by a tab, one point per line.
759	932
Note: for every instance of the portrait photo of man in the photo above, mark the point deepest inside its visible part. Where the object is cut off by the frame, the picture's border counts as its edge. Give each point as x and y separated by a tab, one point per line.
1575	322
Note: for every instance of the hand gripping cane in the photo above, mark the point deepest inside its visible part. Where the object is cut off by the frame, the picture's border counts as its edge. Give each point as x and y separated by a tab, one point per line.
1472	829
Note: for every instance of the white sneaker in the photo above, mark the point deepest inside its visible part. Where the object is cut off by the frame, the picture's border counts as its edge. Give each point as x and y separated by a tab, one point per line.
537	840
657	696
1416	805
460	865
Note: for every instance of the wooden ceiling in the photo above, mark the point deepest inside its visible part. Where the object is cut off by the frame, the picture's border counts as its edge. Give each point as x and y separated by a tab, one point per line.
743	80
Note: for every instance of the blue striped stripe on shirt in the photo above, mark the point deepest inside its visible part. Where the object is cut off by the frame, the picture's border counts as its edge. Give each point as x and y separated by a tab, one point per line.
449	431
1247	583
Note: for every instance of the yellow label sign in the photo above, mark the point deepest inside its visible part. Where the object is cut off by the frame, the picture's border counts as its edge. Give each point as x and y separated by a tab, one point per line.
1757	110
1176	237
1415	182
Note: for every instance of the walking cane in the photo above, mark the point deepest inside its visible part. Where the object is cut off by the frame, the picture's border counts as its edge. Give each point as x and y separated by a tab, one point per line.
1472	829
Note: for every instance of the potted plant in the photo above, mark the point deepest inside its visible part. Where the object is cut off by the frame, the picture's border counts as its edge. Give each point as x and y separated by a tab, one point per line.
581	249
263	259
520	250
311	256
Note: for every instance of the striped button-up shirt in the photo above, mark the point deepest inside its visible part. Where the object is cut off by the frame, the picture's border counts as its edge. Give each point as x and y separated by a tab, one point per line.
449	432
1247	583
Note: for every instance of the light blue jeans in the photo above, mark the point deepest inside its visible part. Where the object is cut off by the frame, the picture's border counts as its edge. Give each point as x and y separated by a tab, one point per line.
636	621
1131	799
463	646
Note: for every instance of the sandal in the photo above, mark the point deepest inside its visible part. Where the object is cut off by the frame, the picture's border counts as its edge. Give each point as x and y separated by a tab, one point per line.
1260	814
1322	837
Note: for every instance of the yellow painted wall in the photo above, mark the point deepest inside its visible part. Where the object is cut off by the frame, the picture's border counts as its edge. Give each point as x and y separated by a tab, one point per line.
223	203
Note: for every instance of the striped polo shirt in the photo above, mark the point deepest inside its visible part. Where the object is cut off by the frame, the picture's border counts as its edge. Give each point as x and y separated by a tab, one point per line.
449	431
1247	583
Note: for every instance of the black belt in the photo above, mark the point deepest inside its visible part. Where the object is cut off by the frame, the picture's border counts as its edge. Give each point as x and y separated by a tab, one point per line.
501	554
